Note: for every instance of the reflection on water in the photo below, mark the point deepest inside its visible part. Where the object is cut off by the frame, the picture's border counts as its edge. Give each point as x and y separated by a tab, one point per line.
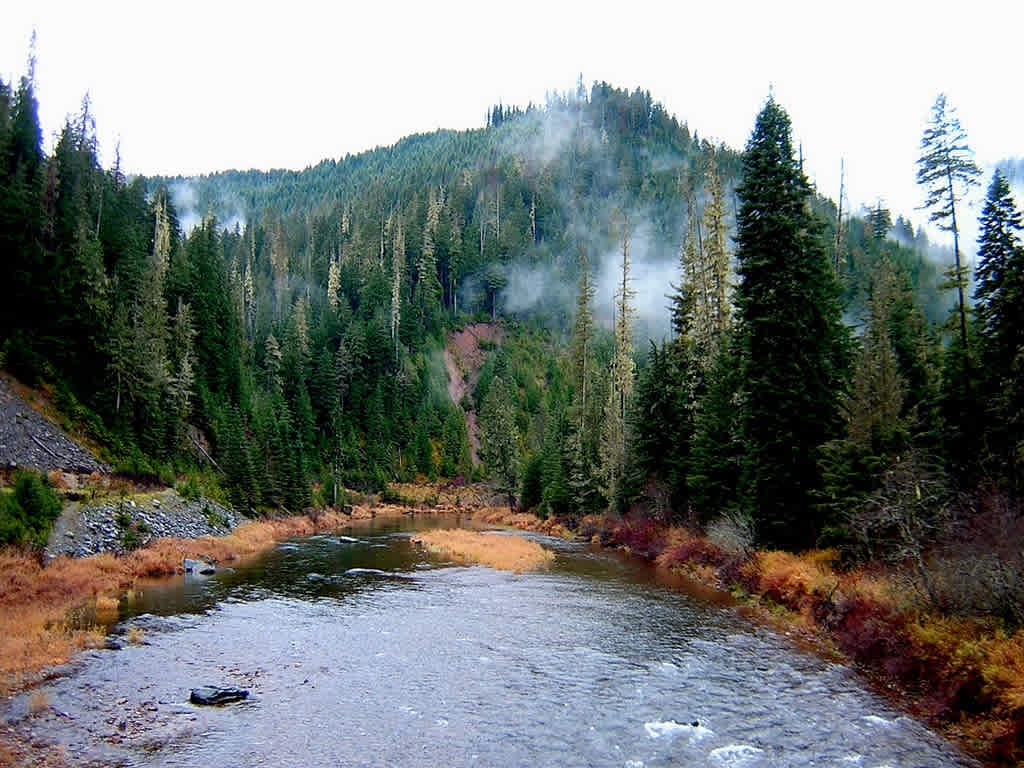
360	650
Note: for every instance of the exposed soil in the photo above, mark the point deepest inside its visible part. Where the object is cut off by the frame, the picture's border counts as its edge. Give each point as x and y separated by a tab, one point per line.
464	356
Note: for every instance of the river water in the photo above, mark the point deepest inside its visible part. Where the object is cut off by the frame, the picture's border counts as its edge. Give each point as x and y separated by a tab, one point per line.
361	650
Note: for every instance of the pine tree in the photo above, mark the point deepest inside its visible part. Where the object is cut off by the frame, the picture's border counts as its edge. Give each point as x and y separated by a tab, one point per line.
793	345
1000	311
875	404
397	272
582	336
429	287
716	455
333	284
183	375
499	439
947	171
614	427
719	265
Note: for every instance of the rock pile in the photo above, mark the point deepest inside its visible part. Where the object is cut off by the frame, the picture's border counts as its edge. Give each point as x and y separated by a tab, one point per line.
30	440
117	525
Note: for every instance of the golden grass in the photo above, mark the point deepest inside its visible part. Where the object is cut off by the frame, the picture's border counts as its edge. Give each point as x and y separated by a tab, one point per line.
523	521
38	701
107	609
505	553
135	635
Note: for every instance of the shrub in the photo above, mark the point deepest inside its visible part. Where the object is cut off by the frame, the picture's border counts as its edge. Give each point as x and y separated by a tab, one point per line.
732	532
27	515
189	489
642	537
684	548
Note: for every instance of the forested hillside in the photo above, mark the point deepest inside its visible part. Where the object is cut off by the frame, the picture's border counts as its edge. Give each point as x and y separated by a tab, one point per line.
692	332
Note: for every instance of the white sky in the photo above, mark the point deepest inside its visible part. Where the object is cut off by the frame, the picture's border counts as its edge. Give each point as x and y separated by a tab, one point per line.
193	87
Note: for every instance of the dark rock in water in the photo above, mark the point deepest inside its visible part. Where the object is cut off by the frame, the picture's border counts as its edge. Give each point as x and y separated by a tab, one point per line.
198	566
212	695
695	724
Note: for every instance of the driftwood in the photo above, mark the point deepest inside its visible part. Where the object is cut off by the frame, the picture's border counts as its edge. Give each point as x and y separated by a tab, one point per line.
203	451
47	448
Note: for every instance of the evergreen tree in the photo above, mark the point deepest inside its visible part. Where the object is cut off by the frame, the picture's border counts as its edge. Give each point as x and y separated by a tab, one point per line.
716	455
582	336
793	345
1000	311
947	171
499	439
874	407
614	427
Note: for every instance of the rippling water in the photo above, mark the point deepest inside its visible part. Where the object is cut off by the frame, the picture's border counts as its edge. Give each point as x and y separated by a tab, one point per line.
362	651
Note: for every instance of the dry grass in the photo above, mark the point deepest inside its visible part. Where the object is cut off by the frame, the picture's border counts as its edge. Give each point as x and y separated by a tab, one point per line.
787	579
38	701
135	635
506	553
107	609
523	521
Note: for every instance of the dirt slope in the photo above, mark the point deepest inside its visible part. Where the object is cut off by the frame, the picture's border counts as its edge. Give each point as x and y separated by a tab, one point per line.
464	356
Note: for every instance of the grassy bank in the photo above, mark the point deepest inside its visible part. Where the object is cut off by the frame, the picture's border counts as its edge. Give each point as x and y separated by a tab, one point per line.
964	675
505	553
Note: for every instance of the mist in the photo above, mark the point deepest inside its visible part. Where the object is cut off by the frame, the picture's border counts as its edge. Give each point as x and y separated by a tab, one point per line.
186	198
548	283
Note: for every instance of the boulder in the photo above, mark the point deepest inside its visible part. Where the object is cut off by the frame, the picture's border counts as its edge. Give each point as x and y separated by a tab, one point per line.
198	567
214	696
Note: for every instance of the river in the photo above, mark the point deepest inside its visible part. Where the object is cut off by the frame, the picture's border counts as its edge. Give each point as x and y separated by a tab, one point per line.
361	650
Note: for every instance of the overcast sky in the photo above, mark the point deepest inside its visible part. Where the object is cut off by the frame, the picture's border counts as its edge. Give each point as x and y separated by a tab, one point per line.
194	87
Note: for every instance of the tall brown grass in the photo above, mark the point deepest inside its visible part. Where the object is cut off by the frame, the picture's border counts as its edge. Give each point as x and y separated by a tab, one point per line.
36	630
523	521
503	552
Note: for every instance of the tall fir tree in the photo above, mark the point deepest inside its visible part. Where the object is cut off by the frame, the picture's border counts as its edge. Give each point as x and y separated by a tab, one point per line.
947	171
793	345
1000	311
615	425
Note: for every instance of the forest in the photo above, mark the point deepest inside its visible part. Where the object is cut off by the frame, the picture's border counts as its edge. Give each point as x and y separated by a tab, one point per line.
693	334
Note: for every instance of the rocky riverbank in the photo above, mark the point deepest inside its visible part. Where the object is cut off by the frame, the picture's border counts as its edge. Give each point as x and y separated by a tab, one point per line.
120	525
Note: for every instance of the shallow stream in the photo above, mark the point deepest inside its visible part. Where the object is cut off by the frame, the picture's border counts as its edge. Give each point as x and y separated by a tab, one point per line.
362	650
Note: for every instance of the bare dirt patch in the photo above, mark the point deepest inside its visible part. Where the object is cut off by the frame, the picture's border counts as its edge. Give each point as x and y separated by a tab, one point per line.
464	356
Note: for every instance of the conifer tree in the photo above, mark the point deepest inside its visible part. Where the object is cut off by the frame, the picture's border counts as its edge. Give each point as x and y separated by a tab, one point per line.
874	407
397	271
499	439
333	284
428	287
719	265
947	171
1000	310
582	333
614	427
793	345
